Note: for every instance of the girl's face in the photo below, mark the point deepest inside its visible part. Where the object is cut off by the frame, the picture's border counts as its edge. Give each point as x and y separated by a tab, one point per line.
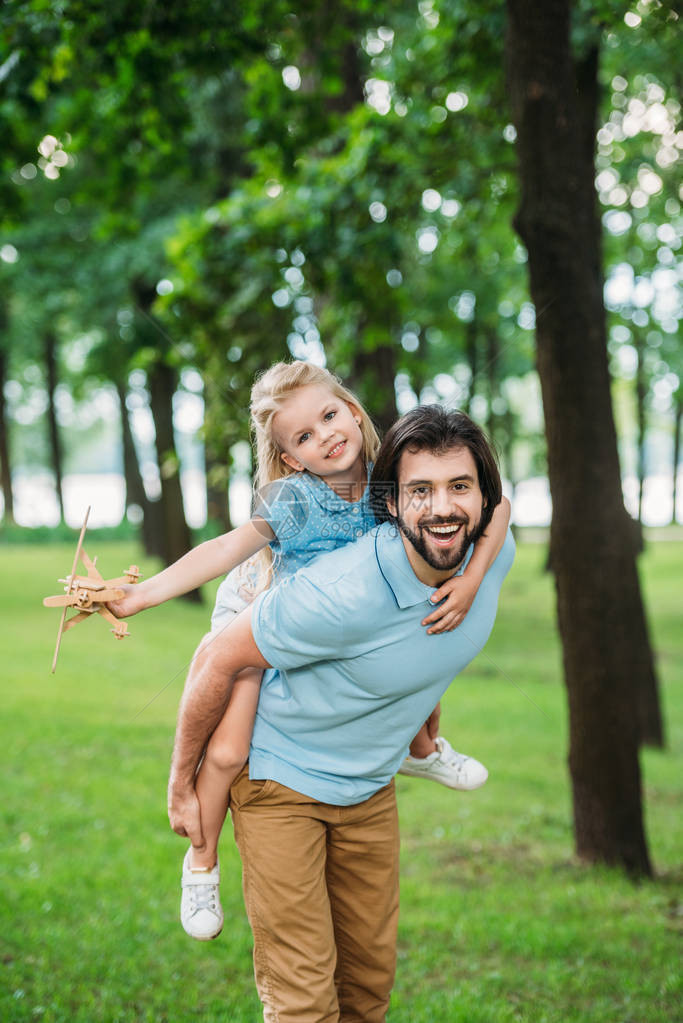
319	432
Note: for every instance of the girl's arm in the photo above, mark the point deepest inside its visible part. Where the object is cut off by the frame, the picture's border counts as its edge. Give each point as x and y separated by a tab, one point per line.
198	566
461	590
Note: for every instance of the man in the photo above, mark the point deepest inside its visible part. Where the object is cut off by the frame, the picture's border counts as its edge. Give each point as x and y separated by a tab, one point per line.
356	673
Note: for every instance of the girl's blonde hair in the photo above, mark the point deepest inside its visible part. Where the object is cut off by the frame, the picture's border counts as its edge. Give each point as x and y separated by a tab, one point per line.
268	394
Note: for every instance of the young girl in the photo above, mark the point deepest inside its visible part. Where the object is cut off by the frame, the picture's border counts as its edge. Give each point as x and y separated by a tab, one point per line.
314	447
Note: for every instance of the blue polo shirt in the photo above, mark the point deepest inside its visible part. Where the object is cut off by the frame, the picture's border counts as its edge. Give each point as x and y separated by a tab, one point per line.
356	673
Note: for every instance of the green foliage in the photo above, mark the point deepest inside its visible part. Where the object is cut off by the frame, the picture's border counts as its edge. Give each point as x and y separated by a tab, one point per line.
356	161
24	535
637	164
354	193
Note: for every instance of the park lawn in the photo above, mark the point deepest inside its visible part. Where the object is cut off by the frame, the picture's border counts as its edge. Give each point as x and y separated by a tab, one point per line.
499	922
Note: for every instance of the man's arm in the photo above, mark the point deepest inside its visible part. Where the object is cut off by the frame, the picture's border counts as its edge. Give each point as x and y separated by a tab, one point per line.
218	661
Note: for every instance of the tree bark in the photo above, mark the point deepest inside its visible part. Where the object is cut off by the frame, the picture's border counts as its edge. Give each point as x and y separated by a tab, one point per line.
5	464
176	539
150	530
50	355
606	649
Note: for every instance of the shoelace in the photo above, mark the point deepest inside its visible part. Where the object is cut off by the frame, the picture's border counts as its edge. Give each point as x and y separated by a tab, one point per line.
203	896
454	759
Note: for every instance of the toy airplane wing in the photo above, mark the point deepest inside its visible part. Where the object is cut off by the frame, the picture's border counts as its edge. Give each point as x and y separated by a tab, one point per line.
88	594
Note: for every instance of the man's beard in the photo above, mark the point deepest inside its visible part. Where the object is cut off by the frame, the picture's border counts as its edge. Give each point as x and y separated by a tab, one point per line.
436	557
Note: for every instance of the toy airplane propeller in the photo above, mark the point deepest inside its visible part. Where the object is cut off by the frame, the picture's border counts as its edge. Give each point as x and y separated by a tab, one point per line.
88	594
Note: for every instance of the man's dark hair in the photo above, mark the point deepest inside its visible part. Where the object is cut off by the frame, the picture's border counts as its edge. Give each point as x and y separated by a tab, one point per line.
434	429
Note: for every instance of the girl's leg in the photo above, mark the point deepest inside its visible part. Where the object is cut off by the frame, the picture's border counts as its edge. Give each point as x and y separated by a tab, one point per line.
422	745
433	758
226	754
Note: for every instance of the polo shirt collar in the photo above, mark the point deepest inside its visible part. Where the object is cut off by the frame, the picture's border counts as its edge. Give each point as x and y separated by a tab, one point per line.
397	570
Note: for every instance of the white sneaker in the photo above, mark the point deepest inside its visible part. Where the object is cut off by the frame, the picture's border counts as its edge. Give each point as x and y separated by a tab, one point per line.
455	770
200	907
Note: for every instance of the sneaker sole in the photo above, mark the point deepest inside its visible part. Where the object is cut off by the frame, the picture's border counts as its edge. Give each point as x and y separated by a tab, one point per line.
202	937
442	781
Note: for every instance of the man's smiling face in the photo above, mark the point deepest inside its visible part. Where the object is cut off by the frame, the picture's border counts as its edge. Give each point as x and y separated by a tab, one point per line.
439	509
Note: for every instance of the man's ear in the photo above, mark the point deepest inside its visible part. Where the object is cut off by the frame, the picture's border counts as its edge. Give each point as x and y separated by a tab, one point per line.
391	506
291	462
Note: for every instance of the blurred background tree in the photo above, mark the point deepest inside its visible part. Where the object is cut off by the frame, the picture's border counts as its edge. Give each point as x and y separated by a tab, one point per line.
192	191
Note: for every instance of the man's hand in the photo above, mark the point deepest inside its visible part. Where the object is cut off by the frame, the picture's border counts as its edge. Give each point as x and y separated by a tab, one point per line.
184	814
459	592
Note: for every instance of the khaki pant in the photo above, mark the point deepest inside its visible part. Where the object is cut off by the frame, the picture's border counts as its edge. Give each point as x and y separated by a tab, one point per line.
321	893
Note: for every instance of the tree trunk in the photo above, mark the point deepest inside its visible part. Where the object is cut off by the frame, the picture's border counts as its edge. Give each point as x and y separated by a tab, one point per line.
641	395
372	377
493	386
176	539
217	503
50	354
372	373
507	450
352	73
606	649
472	352
135	489
5	464
678	416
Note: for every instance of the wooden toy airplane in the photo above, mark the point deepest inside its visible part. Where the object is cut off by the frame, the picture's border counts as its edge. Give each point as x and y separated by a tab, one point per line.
88	594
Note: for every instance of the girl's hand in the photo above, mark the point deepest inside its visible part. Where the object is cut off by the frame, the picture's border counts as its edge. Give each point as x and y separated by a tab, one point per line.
459	593
129	604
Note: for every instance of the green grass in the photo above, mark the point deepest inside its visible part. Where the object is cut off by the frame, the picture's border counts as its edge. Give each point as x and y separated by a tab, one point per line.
499	922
